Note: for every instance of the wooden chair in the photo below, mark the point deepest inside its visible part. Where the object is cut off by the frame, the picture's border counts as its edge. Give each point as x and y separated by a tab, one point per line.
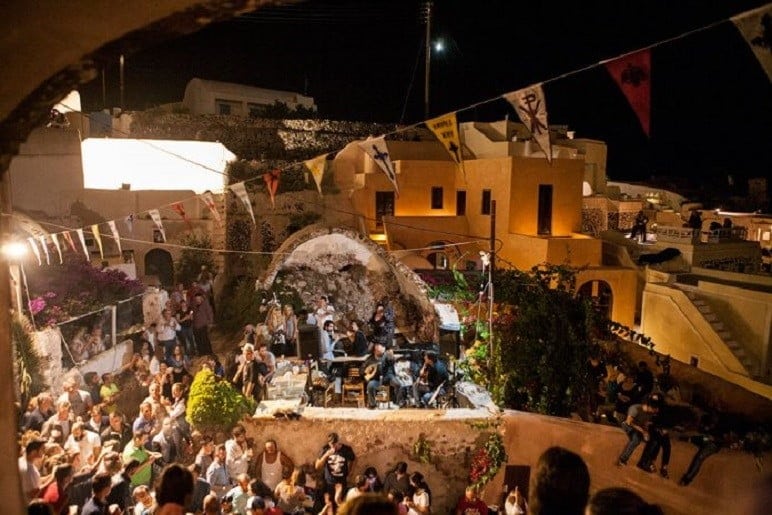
353	387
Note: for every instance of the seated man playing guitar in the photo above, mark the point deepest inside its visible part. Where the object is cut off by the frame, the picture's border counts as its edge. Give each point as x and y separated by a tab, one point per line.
377	370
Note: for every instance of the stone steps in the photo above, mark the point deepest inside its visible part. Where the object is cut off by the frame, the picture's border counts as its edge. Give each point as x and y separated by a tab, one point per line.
722	331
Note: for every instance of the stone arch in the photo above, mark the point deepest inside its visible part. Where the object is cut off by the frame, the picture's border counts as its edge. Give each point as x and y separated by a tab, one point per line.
158	262
332	252
600	294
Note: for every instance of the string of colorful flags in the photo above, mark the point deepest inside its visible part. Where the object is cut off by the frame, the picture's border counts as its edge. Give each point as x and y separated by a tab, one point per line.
631	72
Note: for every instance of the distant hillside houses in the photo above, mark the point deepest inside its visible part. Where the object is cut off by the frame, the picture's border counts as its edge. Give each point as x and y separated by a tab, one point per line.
226	98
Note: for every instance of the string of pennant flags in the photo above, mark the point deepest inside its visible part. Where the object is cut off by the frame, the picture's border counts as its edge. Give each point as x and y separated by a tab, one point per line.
631	72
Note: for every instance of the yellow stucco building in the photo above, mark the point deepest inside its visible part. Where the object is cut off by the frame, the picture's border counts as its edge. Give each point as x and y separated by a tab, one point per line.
538	206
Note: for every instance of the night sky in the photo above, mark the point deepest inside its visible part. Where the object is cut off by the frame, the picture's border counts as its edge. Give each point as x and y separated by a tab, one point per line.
362	60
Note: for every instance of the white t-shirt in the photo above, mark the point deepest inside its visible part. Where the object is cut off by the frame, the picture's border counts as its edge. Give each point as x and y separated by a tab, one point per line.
420	500
85	445
510	508
30	476
353	493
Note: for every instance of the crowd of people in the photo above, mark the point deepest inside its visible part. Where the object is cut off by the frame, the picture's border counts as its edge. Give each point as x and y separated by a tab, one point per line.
81	454
632	400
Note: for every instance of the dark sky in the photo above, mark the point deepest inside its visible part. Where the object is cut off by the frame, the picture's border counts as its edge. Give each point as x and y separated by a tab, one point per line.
360	60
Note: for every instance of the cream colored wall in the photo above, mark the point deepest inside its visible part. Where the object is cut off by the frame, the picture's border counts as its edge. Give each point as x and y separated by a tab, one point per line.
578	250
524	252
402	234
678	329
622	282
565	175
416	180
486	174
750	313
47	174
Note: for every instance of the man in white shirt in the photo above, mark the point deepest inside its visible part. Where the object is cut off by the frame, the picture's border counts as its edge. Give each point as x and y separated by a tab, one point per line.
30	475
87	443
166	332
237	454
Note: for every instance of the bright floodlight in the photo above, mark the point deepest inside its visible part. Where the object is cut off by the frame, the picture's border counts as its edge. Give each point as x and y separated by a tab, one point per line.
154	164
14	249
439	46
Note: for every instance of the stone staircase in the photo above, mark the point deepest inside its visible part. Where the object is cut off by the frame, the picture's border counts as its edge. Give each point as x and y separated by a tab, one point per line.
748	362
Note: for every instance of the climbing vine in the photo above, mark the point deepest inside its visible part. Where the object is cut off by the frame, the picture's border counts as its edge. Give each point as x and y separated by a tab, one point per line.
487	461
422	449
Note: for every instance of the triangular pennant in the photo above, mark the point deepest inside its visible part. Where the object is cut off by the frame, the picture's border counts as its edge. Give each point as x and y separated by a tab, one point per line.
55	239
98	239
35	249
632	73
82	239
156	216
756	27
240	190
317	166
44	245
208	198
445	127
180	209
129	221
70	242
531	107
272	184
116	236
378	151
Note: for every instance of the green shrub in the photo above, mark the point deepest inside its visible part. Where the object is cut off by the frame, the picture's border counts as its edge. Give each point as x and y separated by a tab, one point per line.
240	307
214	404
28	363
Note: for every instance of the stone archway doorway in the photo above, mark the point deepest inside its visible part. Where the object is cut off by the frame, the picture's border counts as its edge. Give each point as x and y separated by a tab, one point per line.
601	296
158	262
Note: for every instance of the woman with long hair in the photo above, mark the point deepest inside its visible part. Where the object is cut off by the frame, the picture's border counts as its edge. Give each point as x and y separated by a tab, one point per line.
421	502
290	494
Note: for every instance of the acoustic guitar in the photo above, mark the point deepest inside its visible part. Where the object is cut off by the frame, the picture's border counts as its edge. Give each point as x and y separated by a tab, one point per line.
370	372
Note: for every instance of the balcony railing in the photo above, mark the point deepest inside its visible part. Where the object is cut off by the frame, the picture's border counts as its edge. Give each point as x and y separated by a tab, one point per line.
689	235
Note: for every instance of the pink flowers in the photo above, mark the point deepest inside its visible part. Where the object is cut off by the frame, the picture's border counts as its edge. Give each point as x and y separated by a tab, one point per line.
37	305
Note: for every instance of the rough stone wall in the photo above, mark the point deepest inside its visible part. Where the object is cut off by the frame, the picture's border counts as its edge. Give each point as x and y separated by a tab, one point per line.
354	285
383	442
256	138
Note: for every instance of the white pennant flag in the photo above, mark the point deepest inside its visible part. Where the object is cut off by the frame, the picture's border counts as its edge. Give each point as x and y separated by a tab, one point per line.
82	239
240	190
58	246
156	216
208	198
378	151
45	248
129	221
35	249
755	26
116	236
531	107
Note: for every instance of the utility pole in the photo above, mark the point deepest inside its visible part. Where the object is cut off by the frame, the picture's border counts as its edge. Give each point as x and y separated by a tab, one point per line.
428	57
104	90
491	271
121	61
493	238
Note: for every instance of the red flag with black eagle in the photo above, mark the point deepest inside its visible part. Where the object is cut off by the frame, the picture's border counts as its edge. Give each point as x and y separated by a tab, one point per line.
632	73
